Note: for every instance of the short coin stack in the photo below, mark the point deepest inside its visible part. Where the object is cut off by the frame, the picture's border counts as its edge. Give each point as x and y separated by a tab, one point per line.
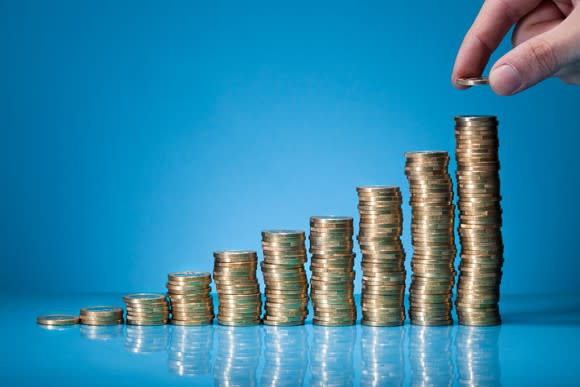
102	315
480	220
432	237
332	270
240	302
383	256
190	296
285	277
147	309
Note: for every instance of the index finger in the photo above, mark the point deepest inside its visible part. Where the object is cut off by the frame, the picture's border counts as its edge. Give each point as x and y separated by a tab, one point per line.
493	22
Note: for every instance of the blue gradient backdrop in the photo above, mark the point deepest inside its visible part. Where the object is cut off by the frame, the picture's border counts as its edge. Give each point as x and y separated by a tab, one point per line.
138	137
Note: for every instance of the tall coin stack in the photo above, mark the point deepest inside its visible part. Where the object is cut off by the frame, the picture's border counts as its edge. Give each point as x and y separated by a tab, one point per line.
190	296
432	237
285	277
240	302
480	220
383	256
147	309
332	270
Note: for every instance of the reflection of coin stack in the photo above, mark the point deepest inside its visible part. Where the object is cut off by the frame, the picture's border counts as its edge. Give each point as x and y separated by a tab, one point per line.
285	277
189	350
237	357
147	309
191	301
478	356
101	315
331	356
285	356
383	256
98	332
480	219
432	234
240	302
140	339
382	360
430	356
332	270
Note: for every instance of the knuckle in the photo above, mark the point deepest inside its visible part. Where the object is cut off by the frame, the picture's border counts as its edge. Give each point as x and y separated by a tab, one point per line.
543	56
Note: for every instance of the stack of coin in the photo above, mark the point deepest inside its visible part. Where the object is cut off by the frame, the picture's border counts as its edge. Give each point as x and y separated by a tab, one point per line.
432	234
240	302
147	309
383	256
332	270
190	296
102	315
285	277
480	220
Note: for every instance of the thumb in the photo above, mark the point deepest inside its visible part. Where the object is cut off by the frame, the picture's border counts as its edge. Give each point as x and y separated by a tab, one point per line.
533	61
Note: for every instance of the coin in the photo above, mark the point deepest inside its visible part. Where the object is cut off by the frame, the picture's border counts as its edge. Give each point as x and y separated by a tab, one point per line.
432	237
57	319
473	81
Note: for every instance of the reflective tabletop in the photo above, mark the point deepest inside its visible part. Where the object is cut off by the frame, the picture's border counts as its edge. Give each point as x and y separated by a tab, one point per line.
538	343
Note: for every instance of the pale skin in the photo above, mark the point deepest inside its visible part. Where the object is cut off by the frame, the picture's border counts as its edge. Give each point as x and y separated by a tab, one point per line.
546	43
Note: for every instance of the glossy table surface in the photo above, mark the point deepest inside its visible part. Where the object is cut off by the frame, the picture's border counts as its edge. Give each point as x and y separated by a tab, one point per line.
538	344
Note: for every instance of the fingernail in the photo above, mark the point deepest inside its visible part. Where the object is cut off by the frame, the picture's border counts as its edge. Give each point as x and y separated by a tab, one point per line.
505	79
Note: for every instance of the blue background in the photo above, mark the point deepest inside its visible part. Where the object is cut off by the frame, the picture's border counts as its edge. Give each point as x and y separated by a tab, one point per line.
138	137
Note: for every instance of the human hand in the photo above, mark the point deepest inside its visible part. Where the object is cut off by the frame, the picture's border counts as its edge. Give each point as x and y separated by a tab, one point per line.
546	43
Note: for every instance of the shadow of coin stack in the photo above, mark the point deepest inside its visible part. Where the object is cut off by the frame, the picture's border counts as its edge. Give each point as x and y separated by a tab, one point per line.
430	356
332	270
383	256
237	356
480	220
189	352
147	309
234	273
382	356
432	237
285	356
285	277
191	301
332	356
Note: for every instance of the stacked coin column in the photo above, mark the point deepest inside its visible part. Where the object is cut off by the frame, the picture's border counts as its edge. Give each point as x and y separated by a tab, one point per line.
234	273
432	237
285	277
480	220
383	256
190	297
331	287
147	309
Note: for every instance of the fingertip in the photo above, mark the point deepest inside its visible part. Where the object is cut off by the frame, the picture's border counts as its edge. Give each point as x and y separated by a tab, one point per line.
505	79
